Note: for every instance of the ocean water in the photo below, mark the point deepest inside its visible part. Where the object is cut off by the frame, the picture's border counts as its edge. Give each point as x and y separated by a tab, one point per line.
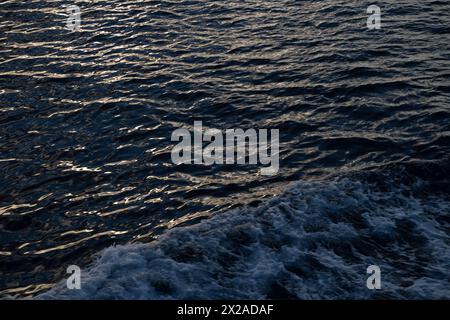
87	179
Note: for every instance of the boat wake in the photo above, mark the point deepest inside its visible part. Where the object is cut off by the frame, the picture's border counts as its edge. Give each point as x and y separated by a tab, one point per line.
315	241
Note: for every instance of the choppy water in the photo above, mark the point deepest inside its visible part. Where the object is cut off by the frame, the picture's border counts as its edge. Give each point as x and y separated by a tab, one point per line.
85	125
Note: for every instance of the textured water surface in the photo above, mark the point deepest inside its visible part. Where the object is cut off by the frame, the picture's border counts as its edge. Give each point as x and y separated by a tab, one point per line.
85	125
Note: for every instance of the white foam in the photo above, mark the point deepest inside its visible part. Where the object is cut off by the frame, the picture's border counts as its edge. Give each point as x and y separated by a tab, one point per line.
314	241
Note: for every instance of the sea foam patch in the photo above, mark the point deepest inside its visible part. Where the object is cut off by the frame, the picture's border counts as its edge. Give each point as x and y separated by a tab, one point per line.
314	241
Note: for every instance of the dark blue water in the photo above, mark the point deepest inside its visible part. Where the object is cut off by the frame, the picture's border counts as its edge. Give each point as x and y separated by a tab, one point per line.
86	119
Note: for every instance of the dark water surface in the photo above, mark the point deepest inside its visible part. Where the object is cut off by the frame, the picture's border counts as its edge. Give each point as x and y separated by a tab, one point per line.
364	117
